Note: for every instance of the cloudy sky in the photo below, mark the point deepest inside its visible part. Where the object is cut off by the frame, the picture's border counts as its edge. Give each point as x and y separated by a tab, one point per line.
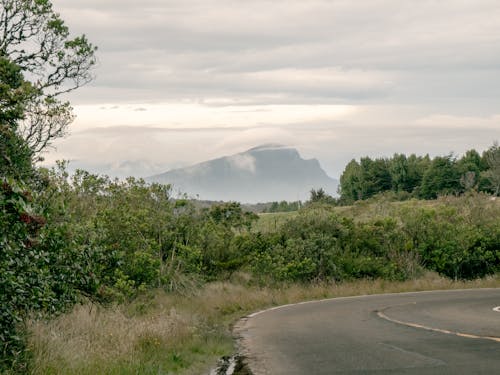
183	81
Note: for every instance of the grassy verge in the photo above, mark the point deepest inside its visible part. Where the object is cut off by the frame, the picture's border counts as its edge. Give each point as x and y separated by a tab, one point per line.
162	333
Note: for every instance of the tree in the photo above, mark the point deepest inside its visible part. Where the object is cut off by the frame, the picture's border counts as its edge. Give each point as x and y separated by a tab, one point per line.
284	206
351	183
442	177
376	176
35	39
398	168
492	174
364	179
470	166
317	195
407	172
15	156
41	268
231	215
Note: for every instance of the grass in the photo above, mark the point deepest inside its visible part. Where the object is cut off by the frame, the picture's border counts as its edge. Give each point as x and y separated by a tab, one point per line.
162	333
272	221
381	206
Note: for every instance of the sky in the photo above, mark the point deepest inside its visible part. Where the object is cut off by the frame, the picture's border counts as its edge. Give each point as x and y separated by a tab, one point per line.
183	81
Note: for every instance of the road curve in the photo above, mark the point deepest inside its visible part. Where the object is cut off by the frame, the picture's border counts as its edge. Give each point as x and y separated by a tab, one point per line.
439	332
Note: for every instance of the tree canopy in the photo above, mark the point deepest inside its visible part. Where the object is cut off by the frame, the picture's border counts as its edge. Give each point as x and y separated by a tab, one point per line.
421	177
492	173
35	39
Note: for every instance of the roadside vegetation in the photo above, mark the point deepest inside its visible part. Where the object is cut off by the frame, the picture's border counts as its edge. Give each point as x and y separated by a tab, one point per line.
167	333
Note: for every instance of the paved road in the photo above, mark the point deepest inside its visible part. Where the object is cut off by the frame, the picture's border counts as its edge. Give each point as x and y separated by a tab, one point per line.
444	332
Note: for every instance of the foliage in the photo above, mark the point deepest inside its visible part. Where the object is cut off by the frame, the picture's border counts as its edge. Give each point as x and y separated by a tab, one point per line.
144	238
457	238
491	174
451	245
41	269
407	172
283	206
319	196
350	183
44	264
36	40
376	176
111	240
442	176
320	245
421	177
15	155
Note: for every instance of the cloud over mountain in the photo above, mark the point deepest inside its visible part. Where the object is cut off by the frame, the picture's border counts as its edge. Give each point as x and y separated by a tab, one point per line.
261	174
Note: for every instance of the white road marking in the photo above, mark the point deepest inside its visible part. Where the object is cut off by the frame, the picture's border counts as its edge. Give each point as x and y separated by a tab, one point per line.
420	326
254	314
497	309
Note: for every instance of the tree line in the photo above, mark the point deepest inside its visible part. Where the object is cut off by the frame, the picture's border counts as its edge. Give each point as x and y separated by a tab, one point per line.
421	176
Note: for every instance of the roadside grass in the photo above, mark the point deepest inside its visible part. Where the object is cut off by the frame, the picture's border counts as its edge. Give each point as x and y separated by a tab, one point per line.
161	333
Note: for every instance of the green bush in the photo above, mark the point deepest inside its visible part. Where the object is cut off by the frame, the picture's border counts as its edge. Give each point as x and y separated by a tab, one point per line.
452	242
42	269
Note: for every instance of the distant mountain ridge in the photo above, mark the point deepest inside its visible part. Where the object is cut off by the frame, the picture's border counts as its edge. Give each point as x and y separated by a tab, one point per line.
265	173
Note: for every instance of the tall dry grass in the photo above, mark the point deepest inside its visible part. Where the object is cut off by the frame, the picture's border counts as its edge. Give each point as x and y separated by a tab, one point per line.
146	336
162	333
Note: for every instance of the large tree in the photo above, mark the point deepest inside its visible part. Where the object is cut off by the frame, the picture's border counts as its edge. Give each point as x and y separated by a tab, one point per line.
351	183
35	39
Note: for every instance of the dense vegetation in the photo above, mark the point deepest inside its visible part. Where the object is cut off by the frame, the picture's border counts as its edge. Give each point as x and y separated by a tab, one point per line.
42	269
110	240
421	177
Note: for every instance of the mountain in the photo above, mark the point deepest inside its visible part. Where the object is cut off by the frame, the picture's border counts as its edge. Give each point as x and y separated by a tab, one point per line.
261	174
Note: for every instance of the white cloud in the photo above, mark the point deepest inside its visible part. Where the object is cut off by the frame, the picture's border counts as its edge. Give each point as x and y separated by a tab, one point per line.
243	162
185	115
457	122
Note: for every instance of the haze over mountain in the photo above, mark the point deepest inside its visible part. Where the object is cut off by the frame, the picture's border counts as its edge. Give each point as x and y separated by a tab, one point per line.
262	174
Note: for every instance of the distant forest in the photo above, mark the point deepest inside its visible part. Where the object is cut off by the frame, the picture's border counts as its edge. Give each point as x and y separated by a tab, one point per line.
421	176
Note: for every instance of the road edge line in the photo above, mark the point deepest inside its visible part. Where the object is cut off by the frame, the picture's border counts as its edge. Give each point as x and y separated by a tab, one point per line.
381	315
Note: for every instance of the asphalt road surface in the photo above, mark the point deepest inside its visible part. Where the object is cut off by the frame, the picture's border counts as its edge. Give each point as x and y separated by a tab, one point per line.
442	332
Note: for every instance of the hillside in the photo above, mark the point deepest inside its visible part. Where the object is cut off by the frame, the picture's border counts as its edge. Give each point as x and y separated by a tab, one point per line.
261	174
